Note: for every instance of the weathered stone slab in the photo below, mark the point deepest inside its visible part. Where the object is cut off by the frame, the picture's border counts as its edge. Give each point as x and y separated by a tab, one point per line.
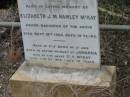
34	81
61	33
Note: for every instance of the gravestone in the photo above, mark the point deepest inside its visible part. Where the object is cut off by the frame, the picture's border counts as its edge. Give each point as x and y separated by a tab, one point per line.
61	33
62	51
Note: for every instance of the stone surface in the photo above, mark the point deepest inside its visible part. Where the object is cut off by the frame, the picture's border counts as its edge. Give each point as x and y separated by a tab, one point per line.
61	33
34	81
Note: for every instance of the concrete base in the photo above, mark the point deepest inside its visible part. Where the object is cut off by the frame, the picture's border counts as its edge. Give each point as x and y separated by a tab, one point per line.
36	81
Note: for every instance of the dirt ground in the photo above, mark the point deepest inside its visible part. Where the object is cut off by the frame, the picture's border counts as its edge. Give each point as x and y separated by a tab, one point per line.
6	71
